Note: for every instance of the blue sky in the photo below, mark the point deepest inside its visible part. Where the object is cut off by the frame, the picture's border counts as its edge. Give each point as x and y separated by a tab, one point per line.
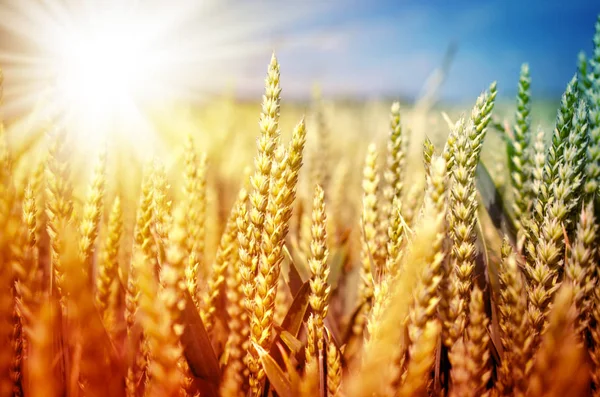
355	48
371	48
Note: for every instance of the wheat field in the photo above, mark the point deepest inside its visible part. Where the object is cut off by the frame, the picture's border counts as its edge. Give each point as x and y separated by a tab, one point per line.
334	249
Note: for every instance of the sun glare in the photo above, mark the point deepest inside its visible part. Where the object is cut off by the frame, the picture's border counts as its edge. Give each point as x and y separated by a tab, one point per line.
106	67
100	71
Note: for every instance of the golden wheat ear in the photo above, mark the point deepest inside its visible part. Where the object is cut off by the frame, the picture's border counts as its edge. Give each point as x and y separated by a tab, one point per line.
59	205
594	351
195	197
368	221
143	254
579	268
379	370
514	327
426	300
174	290
109	266
226	255
560	367
464	155
470	358
239	326
422	357
260	308
334	368
92	214
319	266
26	270
97	356
161	210
162	343
392	186
145	216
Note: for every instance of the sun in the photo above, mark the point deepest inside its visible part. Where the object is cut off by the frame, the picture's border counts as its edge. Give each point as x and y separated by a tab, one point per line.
106	67
100	71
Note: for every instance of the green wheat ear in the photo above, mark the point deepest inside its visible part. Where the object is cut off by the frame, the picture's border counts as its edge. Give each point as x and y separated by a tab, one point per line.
518	150
554	218
583	74
428	152
592	97
564	160
595	61
560	137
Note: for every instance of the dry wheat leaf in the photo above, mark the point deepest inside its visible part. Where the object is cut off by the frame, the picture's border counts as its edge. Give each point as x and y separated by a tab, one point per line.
196	343
294	279
336	265
291	325
290	341
334	330
276	375
494	204
299	259
290	367
297	311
